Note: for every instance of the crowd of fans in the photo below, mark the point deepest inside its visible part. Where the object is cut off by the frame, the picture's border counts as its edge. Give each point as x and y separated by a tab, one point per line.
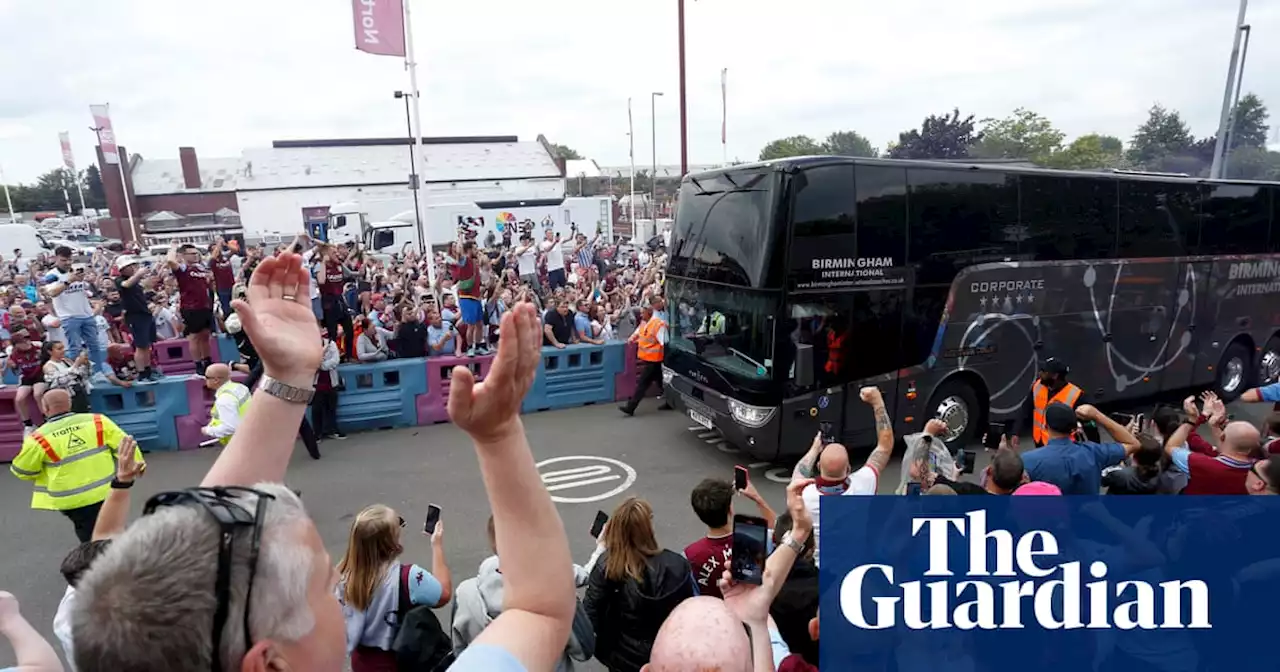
232	575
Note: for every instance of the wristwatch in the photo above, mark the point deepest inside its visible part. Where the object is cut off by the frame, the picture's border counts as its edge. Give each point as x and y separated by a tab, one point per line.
117	484
286	392
790	542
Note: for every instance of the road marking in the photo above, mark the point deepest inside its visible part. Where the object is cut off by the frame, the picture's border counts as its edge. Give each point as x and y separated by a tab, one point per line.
724	447
779	475
759	465
598	470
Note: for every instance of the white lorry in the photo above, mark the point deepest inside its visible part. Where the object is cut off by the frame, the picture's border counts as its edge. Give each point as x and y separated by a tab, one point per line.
348	222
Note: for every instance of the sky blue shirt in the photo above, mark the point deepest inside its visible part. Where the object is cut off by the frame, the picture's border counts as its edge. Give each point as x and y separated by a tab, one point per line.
1076	468
582	324
1270	392
435	340
487	658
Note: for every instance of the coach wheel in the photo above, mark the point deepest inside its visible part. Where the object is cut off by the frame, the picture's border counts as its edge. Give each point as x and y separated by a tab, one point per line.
956	404
1269	363
1234	372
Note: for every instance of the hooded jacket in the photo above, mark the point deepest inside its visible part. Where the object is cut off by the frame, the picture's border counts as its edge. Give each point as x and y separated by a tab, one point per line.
477	601
627	614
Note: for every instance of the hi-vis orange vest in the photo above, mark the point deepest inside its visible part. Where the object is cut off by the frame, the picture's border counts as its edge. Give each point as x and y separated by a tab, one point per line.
1069	395
650	349
835	351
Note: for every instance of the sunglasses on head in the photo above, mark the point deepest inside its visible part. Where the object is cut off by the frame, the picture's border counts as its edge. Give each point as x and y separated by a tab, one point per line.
231	515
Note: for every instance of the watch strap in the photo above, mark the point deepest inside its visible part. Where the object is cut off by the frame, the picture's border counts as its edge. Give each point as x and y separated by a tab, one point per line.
117	484
790	542
286	392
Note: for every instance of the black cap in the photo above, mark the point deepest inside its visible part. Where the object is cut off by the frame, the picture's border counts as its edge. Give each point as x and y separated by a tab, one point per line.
1055	365
1060	418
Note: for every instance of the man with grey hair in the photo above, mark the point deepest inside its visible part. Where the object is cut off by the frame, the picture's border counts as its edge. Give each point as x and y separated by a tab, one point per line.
227	577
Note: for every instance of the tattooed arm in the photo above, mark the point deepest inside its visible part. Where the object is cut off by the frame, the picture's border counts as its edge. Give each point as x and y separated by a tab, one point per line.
879	458
807	467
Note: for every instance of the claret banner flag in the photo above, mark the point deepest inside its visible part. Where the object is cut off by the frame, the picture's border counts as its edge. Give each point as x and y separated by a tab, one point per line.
379	26
1049	583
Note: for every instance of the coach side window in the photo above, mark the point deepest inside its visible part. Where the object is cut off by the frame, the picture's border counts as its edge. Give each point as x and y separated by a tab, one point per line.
1236	219
1068	218
958	218
1157	219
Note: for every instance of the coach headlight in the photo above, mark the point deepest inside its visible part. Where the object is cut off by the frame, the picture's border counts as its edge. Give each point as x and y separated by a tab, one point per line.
751	416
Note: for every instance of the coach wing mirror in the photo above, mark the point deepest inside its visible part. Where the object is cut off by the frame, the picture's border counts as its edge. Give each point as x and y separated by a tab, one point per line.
804	365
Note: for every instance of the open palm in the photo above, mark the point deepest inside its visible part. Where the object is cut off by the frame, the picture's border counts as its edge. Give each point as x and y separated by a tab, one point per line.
487	410
278	319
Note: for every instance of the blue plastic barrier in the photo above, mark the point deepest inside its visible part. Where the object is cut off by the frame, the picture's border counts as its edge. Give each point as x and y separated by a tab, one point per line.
227	350
578	375
147	410
382	394
9	377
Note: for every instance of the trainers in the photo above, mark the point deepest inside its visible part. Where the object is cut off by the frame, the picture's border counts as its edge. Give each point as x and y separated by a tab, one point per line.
336	435
626	410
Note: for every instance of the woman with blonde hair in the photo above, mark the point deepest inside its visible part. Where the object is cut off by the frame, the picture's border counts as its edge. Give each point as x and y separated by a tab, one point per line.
372	580
633	587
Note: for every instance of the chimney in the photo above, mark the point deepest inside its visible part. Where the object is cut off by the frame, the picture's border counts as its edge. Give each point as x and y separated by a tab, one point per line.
190	167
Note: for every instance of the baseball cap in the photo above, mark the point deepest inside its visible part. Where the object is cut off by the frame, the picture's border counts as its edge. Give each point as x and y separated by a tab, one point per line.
1060	418
1055	365
124	261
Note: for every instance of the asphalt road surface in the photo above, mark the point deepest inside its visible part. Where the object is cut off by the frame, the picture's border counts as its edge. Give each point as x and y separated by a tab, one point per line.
591	459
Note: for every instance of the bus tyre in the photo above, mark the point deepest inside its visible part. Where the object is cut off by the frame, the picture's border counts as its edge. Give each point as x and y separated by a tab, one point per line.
1269	362
956	404
1235	371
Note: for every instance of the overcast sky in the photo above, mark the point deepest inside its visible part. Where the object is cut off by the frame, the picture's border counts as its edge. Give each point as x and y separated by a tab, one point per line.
224	75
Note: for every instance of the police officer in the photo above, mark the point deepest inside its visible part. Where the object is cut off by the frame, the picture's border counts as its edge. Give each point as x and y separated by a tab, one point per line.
230	399
71	458
1051	386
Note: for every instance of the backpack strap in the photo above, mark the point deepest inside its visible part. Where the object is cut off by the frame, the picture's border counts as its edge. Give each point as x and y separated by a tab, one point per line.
406	600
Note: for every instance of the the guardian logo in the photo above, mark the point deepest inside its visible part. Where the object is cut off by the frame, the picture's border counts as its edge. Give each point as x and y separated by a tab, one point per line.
1015	583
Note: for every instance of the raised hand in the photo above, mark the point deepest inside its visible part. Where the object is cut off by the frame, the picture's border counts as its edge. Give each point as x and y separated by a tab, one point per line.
127	467
278	320
491	410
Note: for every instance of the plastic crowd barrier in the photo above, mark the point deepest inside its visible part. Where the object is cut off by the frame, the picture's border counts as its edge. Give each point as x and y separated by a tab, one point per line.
626	381
168	415
226	348
146	410
381	395
432	405
578	375
173	357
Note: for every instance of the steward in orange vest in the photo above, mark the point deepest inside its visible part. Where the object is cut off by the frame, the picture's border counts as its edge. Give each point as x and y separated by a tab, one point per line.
650	340
1051	386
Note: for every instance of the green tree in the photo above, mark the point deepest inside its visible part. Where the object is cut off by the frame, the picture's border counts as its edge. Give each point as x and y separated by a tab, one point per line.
940	137
1253	163
1022	135
1249	126
94	195
565	152
848	143
1161	136
796	145
1089	152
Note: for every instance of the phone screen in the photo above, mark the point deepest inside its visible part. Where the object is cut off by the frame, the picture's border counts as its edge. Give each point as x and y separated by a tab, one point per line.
740	478
750	546
433	517
970	459
913	489
598	525
995	432
827	434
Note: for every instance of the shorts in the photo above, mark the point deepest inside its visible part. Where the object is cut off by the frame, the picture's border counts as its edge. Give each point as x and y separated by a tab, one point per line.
143	329
364	286
196	320
32	381
556	278
472	313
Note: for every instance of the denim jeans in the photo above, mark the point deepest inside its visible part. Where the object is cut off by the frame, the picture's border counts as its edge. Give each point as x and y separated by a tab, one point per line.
82	331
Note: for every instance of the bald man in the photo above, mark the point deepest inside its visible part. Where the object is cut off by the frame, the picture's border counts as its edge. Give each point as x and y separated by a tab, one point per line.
1225	474
829	465
700	634
230	399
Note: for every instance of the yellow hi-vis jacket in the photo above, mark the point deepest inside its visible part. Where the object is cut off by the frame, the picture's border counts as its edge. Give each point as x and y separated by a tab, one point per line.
72	459
229	395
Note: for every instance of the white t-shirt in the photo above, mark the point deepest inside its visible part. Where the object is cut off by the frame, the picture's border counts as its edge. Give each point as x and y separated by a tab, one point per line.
861	482
52	333
164	324
62	626
74	299
555	256
527	262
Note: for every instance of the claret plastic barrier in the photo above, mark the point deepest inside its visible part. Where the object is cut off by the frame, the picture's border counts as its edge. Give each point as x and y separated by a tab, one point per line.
168	415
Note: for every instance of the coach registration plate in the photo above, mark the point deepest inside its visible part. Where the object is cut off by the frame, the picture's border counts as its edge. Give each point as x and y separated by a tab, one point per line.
700	419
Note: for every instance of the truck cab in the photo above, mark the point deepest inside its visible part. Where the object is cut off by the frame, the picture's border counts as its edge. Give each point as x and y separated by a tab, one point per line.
347	223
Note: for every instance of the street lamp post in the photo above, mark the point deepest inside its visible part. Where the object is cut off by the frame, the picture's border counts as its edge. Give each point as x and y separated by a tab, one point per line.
684	122
653	178
414	179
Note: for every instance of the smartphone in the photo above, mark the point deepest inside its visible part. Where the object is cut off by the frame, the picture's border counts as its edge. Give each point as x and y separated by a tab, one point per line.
598	526
740	477
913	489
970	459
1122	418
1142	420
995	432
433	517
828	434
750	545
